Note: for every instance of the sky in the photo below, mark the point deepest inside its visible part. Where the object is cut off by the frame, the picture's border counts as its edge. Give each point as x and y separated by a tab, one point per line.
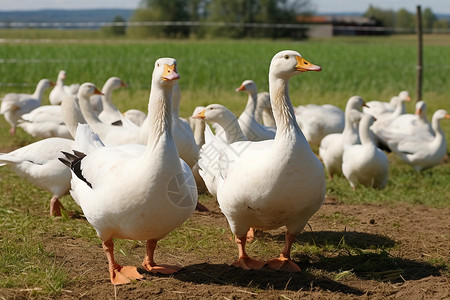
321	6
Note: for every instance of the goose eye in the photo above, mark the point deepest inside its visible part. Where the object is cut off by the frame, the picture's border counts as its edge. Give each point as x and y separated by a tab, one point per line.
157	64
286	56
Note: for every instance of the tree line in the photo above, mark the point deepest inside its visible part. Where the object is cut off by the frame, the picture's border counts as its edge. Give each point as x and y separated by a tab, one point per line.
212	19
405	20
215	13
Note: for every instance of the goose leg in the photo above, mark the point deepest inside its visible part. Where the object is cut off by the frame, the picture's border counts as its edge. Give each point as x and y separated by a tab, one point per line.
149	263
244	261
284	262
55	207
251	234
119	274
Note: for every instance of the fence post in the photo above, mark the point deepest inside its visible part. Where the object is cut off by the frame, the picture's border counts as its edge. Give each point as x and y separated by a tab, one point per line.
419	67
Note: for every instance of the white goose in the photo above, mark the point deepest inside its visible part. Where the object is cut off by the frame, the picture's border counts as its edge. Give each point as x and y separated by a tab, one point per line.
216	144
253	130
134	191
410	124
60	90
333	145
377	108
420	152
15	105
365	164
45	121
295	189
317	121
182	132
109	134
110	113
263	112
198	126
38	162
136	116
217	113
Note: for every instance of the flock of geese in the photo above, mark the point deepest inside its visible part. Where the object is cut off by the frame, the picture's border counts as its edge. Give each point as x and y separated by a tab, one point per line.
137	175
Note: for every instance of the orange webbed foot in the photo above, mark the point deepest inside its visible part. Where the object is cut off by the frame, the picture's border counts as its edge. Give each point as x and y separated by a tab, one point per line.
283	264
123	275
163	269
248	263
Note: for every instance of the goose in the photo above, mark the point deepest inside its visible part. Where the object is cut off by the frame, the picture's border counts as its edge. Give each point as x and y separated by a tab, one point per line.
198	126
138	192
263	112
410	124
423	153
135	115
253	130
295	189
15	105
182	132
38	162
109	134
377	108
332	146
45	121
215	144
110	113
317	121
221	115
60	90
365	164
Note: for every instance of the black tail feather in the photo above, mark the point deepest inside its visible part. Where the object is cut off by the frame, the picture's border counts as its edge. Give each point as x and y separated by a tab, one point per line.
73	161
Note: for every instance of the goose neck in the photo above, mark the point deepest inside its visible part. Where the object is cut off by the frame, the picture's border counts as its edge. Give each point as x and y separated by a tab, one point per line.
230	124
159	114
283	112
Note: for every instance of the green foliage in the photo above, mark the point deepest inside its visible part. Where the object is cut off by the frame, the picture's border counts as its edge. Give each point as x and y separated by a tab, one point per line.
114	30
405	20
158	11
220	12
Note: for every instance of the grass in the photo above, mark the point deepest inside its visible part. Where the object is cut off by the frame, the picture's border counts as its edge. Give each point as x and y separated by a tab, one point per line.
210	71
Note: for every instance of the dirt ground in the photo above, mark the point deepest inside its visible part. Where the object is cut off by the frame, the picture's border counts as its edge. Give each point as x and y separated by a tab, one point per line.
417	234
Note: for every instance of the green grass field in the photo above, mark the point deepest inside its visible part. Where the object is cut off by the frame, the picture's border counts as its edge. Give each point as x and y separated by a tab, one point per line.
374	68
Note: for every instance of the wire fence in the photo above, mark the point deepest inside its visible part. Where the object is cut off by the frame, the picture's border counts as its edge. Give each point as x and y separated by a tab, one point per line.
92	25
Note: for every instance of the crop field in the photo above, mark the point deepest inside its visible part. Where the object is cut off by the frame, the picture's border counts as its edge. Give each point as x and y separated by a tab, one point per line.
363	244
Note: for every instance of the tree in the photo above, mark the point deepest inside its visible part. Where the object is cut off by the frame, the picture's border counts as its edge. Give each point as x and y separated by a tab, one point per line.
405	20
255	11
428	19
159	11
386	18
116	29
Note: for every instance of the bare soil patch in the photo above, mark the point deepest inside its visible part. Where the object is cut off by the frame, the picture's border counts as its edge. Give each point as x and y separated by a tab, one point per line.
416	236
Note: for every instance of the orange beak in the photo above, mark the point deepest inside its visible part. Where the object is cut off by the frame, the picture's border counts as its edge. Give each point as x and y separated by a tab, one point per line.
303	65
170	73
200	115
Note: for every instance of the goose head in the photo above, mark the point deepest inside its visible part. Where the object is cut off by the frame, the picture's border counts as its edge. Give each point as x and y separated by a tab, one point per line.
404	96
213	113
115	83
249	86
421	108
288	63
165	72
441	114
354	107
45	84
88	89
61	75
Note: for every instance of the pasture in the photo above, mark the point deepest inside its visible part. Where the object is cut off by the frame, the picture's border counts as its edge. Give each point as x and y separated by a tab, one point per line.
361	244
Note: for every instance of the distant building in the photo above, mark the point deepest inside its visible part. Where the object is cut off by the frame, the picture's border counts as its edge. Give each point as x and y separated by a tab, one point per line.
328	26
